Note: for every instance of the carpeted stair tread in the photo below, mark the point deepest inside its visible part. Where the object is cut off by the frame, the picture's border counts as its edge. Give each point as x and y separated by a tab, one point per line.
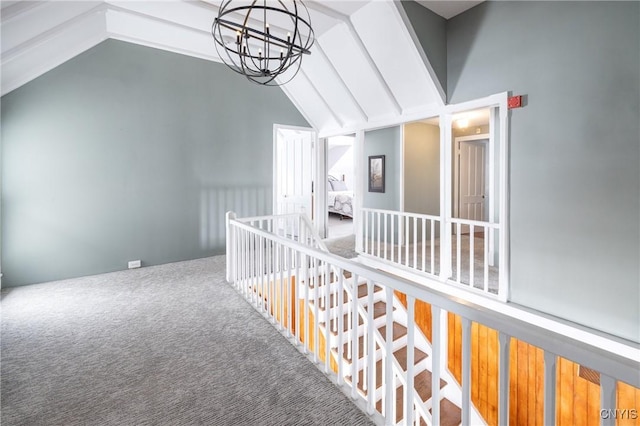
450	413
422	384
401	356
399	331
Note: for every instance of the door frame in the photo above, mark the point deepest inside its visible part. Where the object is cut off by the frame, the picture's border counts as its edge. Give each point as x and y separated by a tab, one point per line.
456	168
319	166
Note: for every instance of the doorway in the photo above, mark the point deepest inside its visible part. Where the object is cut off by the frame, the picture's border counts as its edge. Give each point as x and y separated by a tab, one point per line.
471	191
340	186
294	169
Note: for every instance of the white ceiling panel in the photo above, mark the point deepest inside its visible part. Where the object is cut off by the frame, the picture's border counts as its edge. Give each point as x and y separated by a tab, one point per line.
328	83
306	98
395	54
352	64
357	76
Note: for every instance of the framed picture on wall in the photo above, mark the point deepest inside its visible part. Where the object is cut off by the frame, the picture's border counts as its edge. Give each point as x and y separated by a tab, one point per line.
376	173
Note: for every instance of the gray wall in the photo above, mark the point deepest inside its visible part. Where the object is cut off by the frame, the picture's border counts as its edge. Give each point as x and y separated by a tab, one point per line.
127	152
383	142
431	31
575	149
422	168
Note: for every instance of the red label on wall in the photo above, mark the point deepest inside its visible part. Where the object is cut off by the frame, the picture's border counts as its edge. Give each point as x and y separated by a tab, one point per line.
514	102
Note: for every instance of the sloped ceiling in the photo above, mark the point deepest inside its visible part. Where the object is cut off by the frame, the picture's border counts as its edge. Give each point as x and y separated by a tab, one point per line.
365	70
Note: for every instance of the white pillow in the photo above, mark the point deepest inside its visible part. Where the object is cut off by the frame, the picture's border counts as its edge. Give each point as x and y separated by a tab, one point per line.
339	185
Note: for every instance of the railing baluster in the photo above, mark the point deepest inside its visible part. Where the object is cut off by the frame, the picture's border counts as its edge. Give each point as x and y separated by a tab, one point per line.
327	323
252	264
354	338
436	342
389	389
288	292
466	371
296	297
406	240
260	285
486	259
409	390
415	242
366	231
371	358
340	321
503	378
608	400
458	251
393	237
379	226
385	235
424	244
316	313
472	265
549	388
433	246
307	329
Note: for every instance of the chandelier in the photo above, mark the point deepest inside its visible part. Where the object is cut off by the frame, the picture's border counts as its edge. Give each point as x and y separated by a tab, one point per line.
263	39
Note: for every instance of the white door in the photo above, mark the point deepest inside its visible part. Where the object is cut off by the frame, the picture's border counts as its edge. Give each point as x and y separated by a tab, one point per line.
472	192
293	171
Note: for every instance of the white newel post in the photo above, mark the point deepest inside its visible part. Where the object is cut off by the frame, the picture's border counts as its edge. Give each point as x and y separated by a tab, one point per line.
231	261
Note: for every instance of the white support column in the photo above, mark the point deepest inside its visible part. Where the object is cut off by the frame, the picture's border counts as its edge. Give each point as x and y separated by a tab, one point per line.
503	273
608	400
445	196
503	378
359	171
549	388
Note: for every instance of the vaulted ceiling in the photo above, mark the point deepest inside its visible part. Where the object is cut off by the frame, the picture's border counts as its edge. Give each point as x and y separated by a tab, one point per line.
366	69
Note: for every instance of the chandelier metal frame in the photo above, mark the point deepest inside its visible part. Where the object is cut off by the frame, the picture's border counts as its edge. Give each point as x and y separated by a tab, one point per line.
249	46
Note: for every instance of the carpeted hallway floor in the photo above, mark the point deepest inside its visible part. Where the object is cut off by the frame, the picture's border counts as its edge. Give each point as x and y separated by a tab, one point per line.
163	345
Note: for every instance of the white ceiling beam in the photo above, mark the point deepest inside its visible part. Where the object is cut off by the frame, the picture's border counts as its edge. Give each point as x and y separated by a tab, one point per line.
159	33
356	37
49	50
36	24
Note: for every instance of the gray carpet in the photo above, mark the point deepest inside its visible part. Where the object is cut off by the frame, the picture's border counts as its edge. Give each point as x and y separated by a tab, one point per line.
165	345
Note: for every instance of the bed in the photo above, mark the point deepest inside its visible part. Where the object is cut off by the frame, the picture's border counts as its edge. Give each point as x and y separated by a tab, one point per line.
340	199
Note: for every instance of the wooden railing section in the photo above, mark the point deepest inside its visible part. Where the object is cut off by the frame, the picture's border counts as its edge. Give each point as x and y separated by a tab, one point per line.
514	371
577	399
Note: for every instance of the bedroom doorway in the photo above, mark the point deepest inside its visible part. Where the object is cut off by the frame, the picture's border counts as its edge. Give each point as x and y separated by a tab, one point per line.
340	186
294	169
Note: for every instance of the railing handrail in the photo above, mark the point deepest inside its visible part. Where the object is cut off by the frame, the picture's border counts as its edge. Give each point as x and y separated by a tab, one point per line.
267	217
478	223
621	361
410	214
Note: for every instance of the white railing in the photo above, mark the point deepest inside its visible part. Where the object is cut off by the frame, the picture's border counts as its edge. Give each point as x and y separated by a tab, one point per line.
467	256
288	281
401	238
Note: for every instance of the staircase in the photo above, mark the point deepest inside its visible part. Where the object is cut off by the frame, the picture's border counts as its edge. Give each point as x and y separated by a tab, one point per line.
450	391
342	320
